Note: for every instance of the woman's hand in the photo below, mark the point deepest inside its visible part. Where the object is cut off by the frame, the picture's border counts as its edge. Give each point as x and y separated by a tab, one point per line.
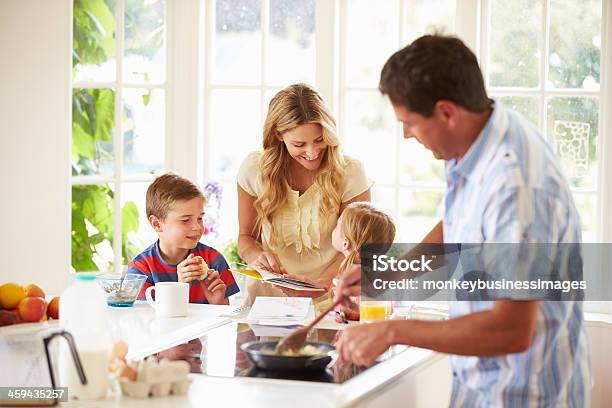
304	293
269	261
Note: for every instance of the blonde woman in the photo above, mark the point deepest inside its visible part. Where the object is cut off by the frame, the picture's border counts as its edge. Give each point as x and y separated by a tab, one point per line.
359	224
291	194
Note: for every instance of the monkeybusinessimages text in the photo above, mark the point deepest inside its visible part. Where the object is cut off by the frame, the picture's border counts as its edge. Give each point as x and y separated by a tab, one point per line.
423	264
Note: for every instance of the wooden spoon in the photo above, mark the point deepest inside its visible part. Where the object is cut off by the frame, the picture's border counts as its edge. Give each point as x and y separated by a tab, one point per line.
293	342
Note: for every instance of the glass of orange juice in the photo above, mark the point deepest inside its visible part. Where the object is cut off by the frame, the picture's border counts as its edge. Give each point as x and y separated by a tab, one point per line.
374	310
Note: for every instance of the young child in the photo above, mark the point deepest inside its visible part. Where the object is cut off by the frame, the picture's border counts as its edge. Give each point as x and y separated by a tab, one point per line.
175	209
359	224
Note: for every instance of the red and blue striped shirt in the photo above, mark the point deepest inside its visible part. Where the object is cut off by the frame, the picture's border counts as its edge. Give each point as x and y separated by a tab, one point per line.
151	264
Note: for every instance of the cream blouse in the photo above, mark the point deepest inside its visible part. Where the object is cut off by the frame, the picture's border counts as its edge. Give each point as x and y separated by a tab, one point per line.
304	246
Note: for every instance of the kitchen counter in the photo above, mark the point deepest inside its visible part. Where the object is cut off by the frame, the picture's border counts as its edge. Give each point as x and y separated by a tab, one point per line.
222	375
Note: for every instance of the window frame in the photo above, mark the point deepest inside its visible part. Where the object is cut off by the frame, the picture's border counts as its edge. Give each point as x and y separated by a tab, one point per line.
187	131
399	189
118	180
480	9
476	36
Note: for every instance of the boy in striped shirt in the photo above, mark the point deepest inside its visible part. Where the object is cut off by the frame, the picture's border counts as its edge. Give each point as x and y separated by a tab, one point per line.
175	210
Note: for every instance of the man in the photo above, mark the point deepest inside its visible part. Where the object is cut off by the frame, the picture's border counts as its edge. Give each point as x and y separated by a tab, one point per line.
504	185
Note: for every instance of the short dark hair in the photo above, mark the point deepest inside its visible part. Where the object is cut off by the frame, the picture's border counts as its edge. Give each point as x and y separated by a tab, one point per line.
432	68
168	189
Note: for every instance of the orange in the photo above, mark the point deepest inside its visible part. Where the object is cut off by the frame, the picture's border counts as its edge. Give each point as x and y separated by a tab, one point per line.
33	290
11	294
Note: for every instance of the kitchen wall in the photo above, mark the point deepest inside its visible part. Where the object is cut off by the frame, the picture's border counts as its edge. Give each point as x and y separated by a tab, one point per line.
35	103
599	331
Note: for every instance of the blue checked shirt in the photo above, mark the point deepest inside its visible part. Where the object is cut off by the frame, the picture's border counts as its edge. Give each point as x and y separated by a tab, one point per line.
509	188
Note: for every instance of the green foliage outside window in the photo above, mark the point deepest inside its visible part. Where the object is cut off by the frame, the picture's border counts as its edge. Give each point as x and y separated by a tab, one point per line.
93	122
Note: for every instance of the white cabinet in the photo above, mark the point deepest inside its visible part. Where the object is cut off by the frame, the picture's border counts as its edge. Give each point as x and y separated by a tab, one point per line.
427	385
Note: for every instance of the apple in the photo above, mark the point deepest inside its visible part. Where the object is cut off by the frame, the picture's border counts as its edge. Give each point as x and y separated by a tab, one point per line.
32	309
33	290
7	318
53	308
15	312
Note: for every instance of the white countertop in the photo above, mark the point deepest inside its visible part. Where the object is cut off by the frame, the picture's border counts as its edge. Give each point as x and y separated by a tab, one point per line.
146	334
257	392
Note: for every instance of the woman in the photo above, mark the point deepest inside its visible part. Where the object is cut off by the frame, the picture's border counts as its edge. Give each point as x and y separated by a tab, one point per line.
291	194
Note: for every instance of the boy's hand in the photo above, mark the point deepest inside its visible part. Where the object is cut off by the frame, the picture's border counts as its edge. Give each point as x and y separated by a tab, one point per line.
214	288
189	269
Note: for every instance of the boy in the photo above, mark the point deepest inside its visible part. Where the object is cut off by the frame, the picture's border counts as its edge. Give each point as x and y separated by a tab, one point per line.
175	208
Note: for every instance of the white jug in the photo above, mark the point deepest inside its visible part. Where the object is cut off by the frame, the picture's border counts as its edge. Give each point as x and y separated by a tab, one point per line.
83	313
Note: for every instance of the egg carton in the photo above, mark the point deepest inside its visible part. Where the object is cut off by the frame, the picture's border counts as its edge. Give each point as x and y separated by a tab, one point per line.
157	379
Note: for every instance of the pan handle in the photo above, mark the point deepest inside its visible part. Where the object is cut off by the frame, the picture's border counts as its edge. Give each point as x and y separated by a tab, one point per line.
332	353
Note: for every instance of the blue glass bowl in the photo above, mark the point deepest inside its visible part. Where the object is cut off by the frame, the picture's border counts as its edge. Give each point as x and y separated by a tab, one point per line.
121	293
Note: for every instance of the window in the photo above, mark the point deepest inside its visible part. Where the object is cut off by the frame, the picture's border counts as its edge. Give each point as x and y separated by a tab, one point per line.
551	67
548	68
276	40
118	126
257	47
409	182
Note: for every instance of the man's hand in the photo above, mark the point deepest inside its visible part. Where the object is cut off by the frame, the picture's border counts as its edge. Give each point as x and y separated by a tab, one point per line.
361	345
189	269
214	288
349	284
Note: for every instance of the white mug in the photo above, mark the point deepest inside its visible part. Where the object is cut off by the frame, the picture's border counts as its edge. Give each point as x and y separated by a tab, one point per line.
171	298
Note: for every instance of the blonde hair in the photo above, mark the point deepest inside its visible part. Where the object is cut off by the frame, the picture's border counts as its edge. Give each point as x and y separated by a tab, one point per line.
291	107
362	223
168	189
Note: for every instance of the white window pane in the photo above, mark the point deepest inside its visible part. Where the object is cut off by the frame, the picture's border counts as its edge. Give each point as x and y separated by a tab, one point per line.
228	216
525	105
371	38
370	134
384	198
137	232
428	17
93	127
235	131
515	42
587	208
93	42
143	130
145	38
417	164
572	126
92	227
575	44
419	211
237	42
291	44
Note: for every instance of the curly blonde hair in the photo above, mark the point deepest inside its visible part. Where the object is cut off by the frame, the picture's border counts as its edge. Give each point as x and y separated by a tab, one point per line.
362	223
291	107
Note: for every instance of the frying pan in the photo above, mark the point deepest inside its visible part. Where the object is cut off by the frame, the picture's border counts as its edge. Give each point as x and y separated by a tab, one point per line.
265	361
